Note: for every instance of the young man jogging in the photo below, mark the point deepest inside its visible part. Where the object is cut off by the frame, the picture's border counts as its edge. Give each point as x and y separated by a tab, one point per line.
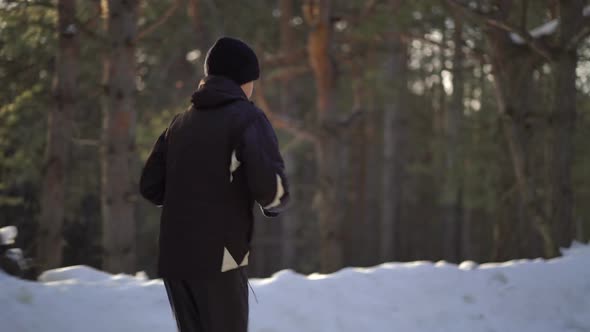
206	171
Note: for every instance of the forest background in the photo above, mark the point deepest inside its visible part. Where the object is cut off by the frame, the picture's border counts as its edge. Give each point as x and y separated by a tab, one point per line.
411	130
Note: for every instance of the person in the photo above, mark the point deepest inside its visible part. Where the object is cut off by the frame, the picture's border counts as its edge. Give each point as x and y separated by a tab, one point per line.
206	171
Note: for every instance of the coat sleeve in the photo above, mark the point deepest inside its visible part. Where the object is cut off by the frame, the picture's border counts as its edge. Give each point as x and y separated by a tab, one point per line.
259	153
153	177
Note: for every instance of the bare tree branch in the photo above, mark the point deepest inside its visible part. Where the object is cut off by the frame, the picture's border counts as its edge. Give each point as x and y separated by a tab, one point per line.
287	73
282	59
280	121
86	142
149	29
582	34
474	53
362	14
351	118
532	42
88	28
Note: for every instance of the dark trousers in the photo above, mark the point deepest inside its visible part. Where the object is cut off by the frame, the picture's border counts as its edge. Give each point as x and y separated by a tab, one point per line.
216	305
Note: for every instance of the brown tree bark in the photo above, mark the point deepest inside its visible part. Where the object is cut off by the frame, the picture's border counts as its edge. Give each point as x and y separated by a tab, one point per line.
118	139
49	237
290	220
317	14
194	12
202	38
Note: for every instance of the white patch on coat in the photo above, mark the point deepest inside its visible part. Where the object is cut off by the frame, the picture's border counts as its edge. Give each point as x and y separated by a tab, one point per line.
229	263
279	194
235	163
245	260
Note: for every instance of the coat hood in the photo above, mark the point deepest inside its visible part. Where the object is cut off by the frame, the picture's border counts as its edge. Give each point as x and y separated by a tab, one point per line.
216	91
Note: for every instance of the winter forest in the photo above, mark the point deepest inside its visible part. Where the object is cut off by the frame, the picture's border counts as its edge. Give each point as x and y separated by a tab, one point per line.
411	130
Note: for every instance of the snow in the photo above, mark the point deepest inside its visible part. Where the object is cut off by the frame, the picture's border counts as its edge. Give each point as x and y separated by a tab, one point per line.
520	295
545	29
8	234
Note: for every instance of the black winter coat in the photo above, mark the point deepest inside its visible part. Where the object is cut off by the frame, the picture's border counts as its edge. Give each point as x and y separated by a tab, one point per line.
206	170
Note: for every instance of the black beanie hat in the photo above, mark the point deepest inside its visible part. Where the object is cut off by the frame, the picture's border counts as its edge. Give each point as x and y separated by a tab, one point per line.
234	59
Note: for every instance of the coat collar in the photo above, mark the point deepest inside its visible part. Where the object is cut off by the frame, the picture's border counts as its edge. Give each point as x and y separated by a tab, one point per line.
216	91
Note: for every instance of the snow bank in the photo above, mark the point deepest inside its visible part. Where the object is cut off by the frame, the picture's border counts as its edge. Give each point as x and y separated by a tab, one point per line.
77	272
522	295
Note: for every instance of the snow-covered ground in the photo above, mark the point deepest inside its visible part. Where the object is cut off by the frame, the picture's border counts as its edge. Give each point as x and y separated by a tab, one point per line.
517	296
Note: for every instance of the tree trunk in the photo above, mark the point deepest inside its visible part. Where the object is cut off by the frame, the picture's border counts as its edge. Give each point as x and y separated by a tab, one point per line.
513	68
290	220
50	239
118	140
195	13
202	37
372	159
318	16
393	131
452	190
357	227
563	124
